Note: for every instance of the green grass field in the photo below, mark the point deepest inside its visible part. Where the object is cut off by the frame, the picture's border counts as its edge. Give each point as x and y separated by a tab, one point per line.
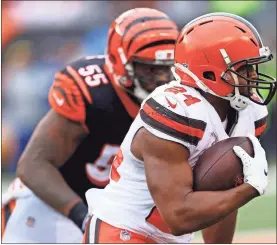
256	222
260	213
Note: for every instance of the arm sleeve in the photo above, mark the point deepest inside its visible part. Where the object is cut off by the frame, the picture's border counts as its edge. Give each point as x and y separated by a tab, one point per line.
261	120
172	121
68	94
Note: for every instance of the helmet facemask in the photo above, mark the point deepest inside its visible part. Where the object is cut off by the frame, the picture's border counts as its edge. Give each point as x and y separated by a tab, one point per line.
138	37
146	76
253	87
230	35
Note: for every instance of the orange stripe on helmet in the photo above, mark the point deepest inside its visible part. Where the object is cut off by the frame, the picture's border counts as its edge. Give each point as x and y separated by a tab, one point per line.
148	32
147	35
143	23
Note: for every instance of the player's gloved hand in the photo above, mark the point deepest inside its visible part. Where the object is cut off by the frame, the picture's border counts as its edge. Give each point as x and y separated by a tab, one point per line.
255	169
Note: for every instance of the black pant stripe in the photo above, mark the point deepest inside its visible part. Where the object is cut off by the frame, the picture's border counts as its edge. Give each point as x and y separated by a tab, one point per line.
88	230
97	229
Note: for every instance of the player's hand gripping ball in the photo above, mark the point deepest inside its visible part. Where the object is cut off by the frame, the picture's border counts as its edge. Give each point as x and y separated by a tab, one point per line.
219	168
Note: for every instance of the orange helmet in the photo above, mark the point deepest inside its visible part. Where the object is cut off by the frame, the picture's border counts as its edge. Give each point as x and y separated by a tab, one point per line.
141	36
220	43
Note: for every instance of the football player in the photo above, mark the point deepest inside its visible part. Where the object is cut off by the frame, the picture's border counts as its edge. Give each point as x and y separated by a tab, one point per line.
216	95
94	101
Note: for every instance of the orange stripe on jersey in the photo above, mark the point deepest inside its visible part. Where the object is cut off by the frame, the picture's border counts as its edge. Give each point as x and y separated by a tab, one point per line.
260	130
260	126
62	77
66	98
69	86
80	82
184	128
172	124
12	205
114	175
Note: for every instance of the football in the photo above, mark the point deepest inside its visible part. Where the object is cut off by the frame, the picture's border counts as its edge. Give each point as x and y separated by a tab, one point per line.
218	168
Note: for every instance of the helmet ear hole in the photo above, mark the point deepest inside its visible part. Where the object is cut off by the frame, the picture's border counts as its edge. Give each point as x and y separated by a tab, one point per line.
209	75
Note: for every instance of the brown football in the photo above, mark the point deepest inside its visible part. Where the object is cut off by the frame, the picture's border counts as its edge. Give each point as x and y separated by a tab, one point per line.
218	168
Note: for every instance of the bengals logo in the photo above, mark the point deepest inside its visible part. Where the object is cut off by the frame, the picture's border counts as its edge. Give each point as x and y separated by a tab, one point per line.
164	54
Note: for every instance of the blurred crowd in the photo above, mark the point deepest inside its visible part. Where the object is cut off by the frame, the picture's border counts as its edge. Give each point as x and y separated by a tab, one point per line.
41	37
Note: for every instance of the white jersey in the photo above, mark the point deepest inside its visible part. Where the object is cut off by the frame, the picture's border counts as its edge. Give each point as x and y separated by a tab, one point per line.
34	221
173	112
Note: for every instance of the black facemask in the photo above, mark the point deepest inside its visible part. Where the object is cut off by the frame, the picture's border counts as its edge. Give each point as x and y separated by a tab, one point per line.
151	75
262	82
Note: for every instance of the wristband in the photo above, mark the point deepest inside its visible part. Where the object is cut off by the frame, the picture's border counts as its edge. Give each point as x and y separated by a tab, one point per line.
78	213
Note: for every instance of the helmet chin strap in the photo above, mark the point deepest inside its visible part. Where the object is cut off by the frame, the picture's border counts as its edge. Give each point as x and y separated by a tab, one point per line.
237	101
139	92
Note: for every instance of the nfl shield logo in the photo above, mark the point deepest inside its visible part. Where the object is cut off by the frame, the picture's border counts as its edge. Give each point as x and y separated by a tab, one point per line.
30	221
125	235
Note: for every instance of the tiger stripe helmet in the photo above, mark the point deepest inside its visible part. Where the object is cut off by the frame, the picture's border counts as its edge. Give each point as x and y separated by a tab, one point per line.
141	34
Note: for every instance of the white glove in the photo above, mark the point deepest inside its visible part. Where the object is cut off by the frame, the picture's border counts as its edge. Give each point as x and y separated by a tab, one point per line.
255	169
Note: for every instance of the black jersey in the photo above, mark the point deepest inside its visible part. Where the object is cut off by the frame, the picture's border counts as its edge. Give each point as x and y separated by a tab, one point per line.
83	92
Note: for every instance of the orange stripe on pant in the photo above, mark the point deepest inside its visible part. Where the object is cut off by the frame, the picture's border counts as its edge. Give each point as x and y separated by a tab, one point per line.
105	233
3	221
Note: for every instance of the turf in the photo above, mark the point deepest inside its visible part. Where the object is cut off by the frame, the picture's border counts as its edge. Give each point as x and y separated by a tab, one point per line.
260	213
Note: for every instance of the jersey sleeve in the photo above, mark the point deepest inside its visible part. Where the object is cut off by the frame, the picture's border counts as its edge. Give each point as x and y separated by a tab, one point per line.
260	121
68	95
168	118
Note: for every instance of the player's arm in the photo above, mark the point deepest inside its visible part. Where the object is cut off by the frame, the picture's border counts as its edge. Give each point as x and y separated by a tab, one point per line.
53	142
170	181
221	232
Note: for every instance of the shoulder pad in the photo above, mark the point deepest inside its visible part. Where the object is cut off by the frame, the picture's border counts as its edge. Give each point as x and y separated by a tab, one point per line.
74	87
171	113
66	98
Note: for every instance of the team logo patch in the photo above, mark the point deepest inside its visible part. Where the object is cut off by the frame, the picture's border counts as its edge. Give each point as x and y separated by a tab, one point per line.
171	104
30	221
239	181
125	235
164	54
